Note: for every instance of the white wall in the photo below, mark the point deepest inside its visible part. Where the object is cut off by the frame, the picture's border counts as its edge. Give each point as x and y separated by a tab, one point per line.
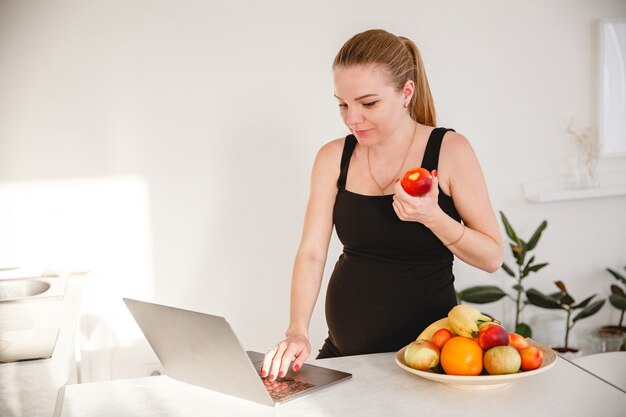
218	108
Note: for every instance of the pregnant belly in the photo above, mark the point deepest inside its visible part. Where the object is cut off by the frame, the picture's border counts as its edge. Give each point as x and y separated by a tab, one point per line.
380	307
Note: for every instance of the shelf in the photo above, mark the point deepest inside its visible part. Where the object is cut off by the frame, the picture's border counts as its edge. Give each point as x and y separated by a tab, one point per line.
545	191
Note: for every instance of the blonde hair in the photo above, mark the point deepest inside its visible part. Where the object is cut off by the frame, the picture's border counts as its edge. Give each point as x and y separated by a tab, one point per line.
403	62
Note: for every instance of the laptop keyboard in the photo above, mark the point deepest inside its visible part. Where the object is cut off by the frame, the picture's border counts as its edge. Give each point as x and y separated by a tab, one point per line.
284	387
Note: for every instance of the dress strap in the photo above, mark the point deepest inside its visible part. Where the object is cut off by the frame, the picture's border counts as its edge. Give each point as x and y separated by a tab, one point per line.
431	154
348	148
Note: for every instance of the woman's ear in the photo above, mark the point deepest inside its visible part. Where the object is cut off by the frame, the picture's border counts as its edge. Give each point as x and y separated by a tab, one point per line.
407	91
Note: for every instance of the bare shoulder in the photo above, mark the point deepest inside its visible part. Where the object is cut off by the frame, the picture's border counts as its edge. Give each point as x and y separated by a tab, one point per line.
456	144
456	152
333	147
326	169
329	155
458	162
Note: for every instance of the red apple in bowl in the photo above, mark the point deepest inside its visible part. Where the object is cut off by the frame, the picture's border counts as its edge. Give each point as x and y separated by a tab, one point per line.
421	355
519	342
417	181
491	335
532	357
441	336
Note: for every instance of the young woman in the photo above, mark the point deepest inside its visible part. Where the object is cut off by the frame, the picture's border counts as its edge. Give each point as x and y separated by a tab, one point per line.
394	276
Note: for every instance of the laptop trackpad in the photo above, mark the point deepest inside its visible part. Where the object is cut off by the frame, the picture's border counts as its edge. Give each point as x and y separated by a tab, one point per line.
312	374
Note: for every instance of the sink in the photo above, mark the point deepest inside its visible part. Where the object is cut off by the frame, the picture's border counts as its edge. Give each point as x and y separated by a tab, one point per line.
31	288
10	290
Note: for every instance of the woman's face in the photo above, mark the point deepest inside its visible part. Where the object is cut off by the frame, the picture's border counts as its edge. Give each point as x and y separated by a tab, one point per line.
369	104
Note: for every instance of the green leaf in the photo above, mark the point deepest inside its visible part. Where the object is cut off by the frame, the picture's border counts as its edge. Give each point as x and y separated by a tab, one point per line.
508	228
584	303
482	294
518	287
535	237
524	329
532	258
558	296
617	276
615	290
508	270
538	299
590	310
618	301
537	267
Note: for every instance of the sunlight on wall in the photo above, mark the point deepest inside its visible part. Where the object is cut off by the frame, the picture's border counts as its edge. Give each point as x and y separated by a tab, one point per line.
97	224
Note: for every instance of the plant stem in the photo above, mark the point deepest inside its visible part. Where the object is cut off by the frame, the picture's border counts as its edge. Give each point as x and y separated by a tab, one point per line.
621	318
567	327
519	295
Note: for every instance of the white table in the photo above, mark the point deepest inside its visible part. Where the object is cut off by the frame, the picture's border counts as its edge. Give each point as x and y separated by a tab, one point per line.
378	388
610	366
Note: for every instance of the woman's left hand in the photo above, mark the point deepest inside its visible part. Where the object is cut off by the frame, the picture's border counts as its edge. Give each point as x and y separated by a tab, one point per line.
417	209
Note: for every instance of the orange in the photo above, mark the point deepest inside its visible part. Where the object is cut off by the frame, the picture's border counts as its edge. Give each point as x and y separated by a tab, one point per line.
462	356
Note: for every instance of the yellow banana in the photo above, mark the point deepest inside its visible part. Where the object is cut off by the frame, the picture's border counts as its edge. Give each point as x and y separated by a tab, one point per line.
428	332
464	320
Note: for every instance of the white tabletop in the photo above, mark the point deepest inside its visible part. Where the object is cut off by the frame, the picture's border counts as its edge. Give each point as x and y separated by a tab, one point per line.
378	388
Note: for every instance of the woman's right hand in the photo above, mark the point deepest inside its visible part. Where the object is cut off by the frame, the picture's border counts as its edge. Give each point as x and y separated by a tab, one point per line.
296	348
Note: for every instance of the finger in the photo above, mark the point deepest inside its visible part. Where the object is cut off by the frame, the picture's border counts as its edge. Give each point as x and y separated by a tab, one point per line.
396	202
398	208
397	186
299	361
267	362
435	182
302	356
288	357
276	363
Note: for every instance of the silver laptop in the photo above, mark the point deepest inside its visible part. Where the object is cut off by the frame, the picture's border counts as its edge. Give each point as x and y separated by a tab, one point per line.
202	349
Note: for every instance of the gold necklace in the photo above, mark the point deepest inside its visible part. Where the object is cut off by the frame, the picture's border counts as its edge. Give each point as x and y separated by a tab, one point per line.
406	154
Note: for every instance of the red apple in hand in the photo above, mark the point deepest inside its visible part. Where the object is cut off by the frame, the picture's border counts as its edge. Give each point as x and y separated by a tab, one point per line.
417	181
421	355
491	335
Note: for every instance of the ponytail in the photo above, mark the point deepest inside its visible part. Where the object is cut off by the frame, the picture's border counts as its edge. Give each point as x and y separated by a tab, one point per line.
421	107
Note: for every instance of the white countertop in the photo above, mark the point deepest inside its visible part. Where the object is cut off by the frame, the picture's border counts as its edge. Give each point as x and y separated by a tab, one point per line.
378	388
30	388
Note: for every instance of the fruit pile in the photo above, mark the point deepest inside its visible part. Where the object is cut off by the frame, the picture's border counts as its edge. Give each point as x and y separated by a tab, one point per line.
470	343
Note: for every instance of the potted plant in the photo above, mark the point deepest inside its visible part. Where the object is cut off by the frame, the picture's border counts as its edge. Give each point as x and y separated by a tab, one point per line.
525	265
562	300
618	300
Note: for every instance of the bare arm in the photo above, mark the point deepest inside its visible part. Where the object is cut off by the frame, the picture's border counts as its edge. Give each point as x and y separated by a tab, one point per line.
309	263
460	175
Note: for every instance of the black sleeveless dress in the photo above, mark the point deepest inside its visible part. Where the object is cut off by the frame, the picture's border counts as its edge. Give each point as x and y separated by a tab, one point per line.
393	278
